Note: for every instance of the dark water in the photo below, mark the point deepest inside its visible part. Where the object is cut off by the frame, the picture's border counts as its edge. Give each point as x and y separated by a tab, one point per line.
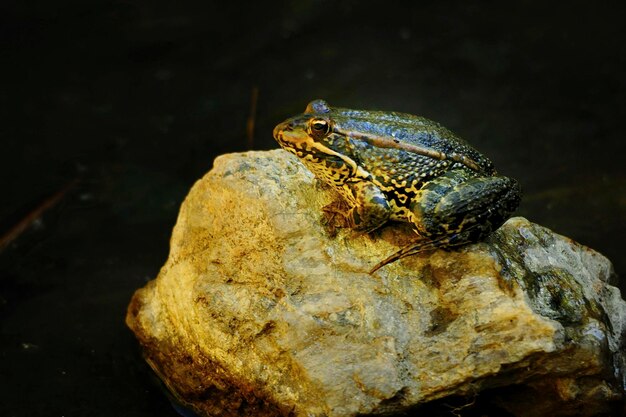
134	99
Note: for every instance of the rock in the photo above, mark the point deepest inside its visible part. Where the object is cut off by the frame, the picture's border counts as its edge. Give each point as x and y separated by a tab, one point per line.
258	311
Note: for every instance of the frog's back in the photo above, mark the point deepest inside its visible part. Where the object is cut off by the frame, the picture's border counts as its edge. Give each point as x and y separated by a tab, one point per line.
410	129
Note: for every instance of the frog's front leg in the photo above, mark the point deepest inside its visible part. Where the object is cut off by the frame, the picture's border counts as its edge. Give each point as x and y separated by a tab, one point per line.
456	209
366	208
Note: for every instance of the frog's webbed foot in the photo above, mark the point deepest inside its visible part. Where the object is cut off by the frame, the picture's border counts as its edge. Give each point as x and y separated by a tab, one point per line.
368	211
334	216
323	185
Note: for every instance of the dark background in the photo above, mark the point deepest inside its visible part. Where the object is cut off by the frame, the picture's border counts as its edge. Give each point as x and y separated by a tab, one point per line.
134	99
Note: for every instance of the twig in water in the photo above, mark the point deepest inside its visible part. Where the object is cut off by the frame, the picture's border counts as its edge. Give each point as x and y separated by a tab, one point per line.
21	226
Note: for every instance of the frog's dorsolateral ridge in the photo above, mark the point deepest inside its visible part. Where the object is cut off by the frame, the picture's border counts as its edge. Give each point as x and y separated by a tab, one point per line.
396	166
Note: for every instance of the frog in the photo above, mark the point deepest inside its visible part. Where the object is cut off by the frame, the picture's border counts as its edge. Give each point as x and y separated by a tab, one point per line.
390	166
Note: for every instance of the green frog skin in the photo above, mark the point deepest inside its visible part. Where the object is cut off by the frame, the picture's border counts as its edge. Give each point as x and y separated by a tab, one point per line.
396	166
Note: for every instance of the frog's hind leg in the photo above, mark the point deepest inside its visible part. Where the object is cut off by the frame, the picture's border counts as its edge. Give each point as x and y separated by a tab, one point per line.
454	210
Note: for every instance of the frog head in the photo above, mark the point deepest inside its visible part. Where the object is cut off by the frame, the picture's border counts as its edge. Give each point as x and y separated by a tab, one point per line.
307	133
312	137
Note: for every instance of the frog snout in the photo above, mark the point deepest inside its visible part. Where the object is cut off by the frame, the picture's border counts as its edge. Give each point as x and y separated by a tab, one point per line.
281	127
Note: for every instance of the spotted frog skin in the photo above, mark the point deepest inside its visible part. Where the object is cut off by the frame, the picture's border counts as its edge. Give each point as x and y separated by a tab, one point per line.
395	166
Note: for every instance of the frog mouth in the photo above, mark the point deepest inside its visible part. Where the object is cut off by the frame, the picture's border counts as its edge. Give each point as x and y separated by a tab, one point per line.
287	137
278	131
298	142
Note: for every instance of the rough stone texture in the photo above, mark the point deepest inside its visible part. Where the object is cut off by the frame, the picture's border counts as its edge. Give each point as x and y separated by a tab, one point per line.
258	311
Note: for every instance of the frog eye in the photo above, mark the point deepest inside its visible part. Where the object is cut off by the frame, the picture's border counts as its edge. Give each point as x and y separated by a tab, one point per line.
318	128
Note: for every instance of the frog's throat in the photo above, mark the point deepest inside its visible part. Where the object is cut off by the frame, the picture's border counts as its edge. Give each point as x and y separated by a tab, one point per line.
393	143
303	147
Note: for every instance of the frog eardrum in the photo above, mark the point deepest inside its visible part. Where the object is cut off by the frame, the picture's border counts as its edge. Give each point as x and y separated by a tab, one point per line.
396	166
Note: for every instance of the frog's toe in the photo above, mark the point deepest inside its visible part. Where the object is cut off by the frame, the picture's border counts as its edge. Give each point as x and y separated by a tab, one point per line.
334	217
408	250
